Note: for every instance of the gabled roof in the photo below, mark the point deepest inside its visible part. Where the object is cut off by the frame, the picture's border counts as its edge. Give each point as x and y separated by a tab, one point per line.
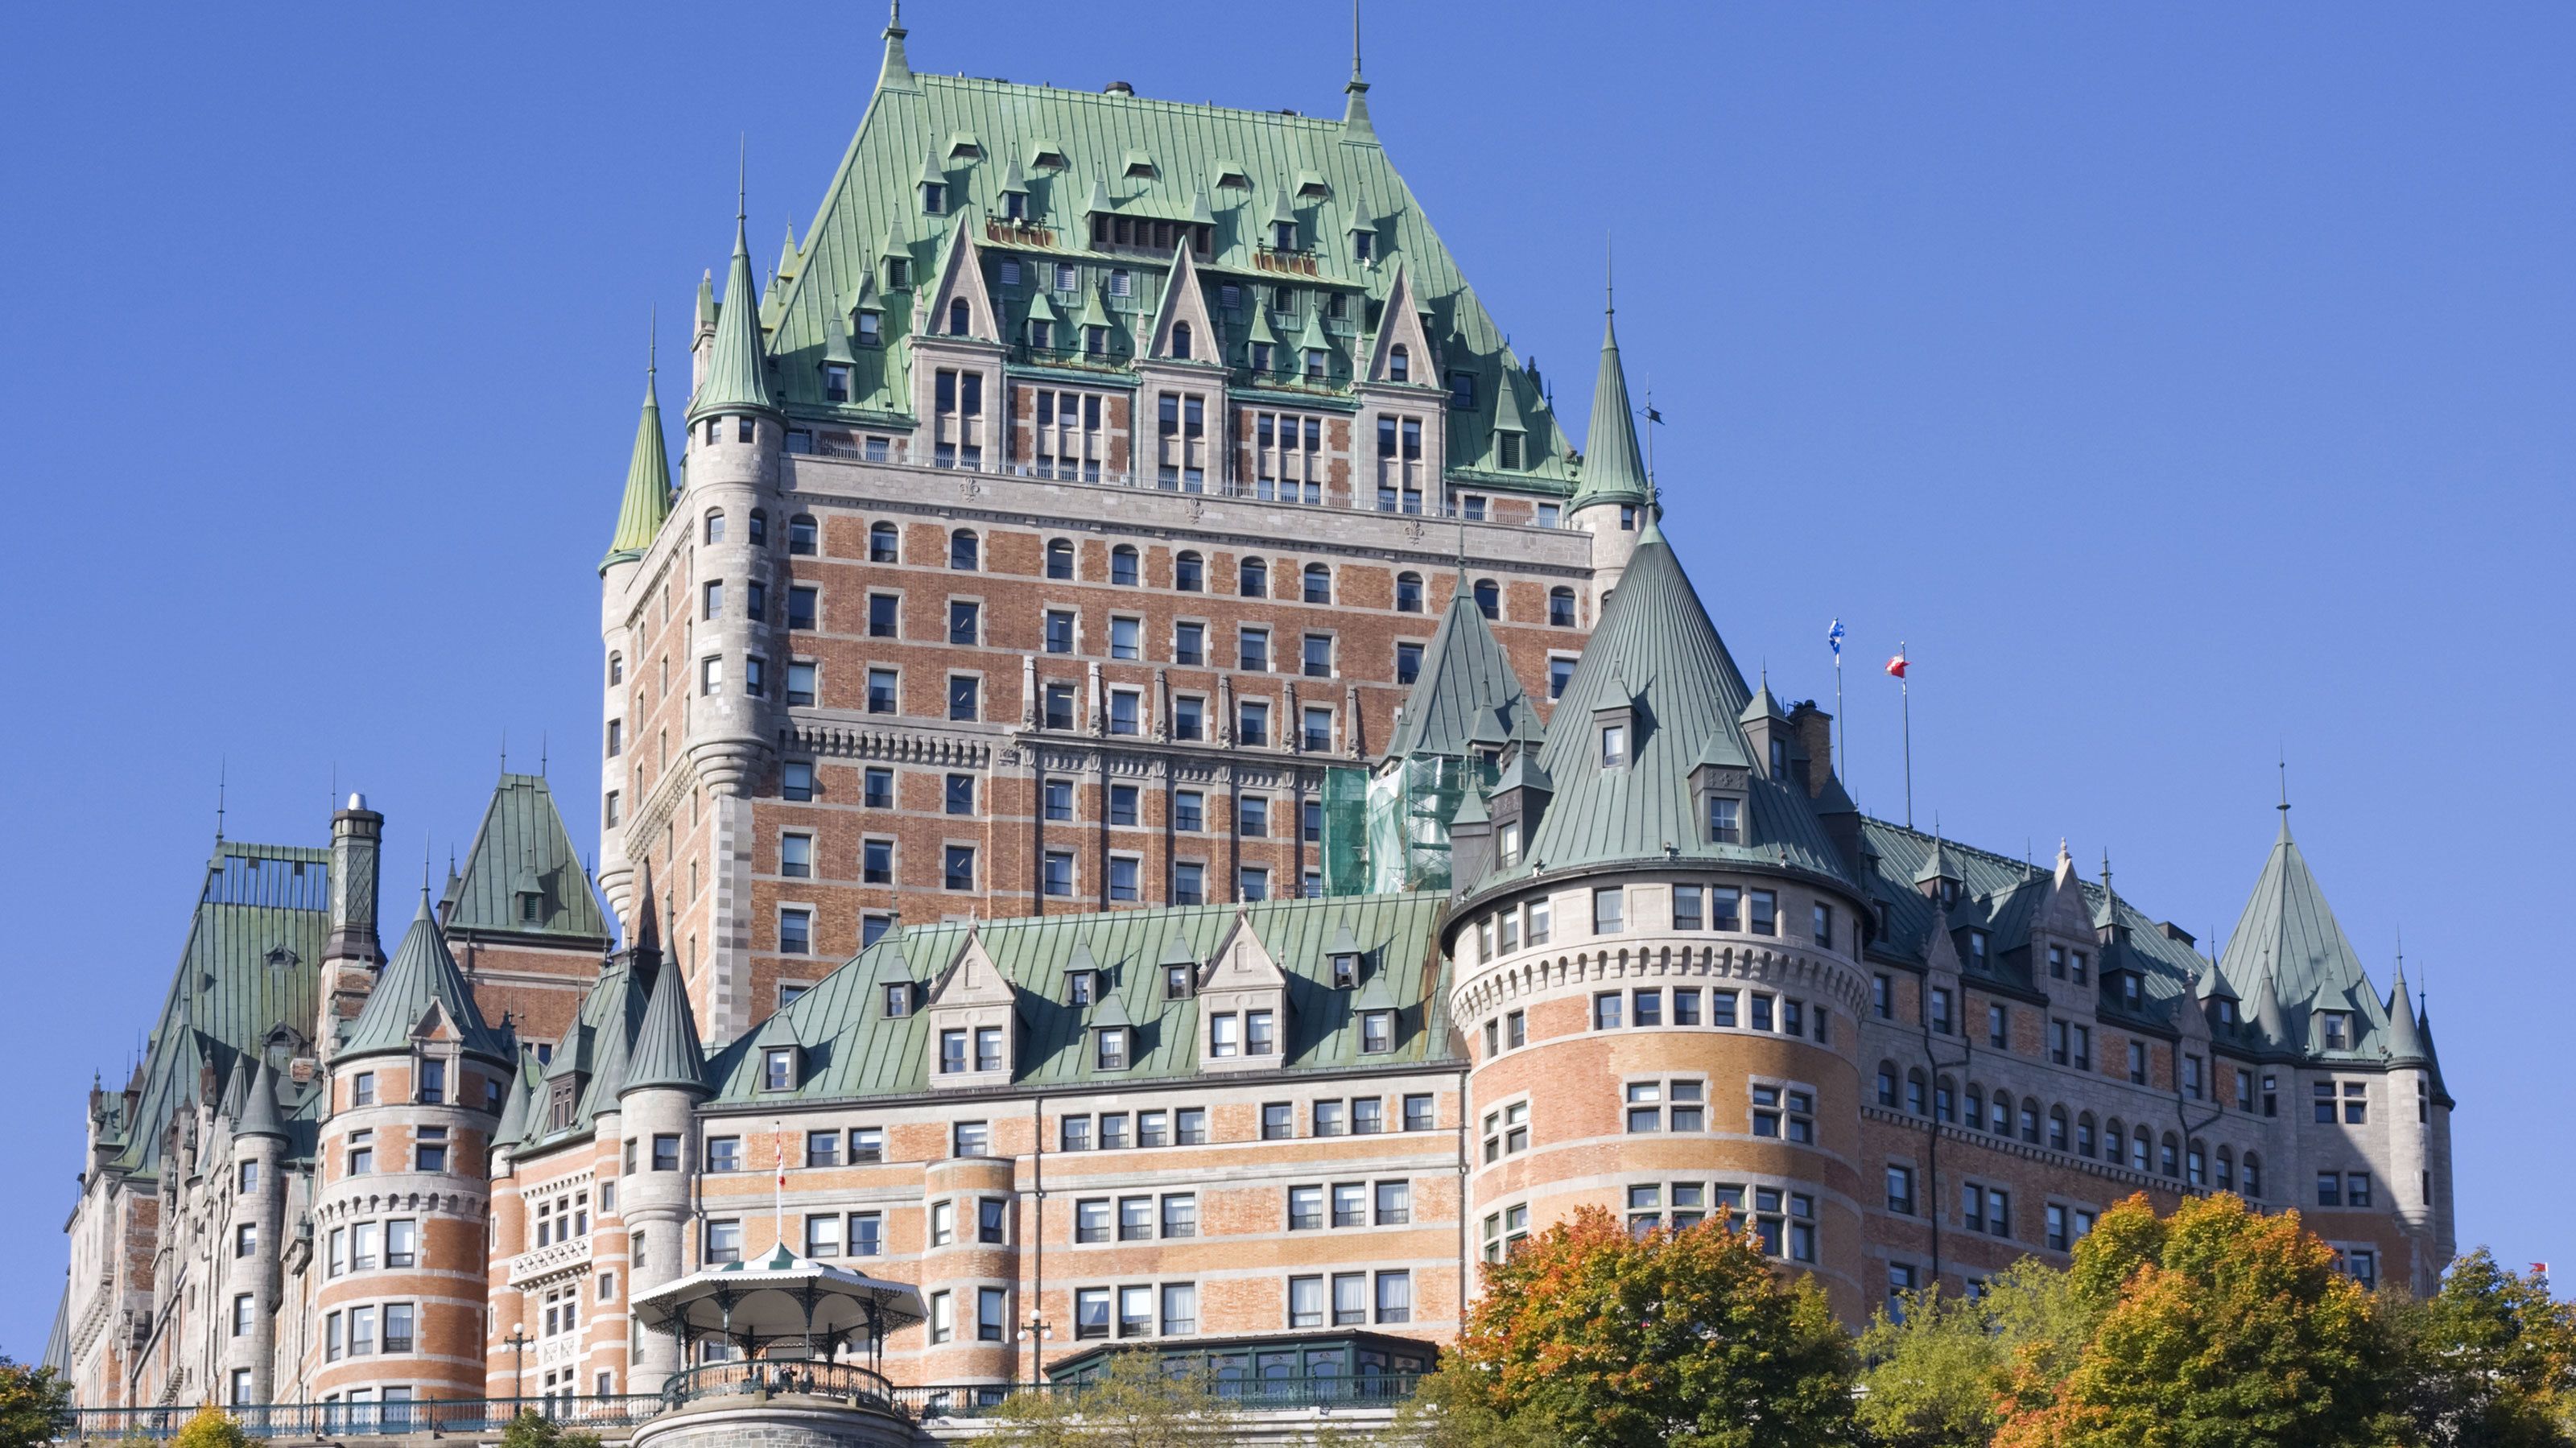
1656	651
648	485
1466	684
422	986
872	198
522	844
852	1049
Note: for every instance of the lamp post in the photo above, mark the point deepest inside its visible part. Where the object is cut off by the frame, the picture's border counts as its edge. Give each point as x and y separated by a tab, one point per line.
1037	1331
517	1342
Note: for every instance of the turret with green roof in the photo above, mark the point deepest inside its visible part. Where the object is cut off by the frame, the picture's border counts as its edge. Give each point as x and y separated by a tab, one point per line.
648	483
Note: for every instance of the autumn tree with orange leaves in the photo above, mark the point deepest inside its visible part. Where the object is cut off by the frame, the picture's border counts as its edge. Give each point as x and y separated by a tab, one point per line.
1590	1338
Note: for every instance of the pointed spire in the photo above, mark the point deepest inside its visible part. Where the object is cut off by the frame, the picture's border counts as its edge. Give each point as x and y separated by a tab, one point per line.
2288	932
2405	1038
260	1116
1355	111
667	1052
1613	469
648	479
738	365
514	1105
421	975
896	73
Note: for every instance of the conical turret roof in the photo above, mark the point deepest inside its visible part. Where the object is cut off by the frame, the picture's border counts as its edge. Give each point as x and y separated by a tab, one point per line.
737	377
259	1114
2288	933
1656	653
648	484
1613	470
1466	685
421	975
667	1052
2406	1041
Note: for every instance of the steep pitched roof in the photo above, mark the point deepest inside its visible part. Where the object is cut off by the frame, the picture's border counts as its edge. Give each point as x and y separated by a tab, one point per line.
1655	650
2288	936
522	847
422	980
259	1113
1092	138
648	485
1466	683
737	377
667	1052
1613	471
853	1049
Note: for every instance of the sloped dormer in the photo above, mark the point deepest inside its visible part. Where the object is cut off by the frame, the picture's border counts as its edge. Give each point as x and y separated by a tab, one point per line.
1243	1004
974	1023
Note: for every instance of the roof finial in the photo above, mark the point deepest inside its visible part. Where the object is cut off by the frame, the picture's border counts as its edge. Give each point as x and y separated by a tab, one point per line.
1609	277
223	770
541	753
741	174
1355	39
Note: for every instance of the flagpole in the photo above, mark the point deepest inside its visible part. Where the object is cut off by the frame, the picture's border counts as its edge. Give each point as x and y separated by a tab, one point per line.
1905	691
1842	746
778	1194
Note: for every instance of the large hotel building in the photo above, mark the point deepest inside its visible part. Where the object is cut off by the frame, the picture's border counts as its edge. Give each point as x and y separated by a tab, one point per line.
1150	781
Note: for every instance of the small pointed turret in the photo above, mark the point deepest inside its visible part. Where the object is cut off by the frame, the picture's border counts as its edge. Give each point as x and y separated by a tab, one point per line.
737	377
648	482
896	73
1613	469
667	1052
260	1116
2406	1040
1355	111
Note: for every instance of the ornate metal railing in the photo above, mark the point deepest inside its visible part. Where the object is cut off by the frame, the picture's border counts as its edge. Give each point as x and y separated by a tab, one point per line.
1251	1395
847	1382
350	1420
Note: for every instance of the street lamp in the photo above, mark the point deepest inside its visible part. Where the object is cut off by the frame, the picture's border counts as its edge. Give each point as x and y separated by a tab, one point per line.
517	1342
1035	1332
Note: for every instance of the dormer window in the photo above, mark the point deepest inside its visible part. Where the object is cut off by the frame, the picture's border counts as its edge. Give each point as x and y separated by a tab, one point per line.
1399	364
1314	364
836	382
1377	1032
778	1068
1110	1047
1978	959
898	1000
1181	341
960	318
1015	205
1346	972
898	272
1363	245
1510	848
1779	758
1177	982
2225	1010
2338	1030
532	907
1950	895
1614	746
1095	341
872	328
934	198
1725	820
1081	987
1041	334
1283	236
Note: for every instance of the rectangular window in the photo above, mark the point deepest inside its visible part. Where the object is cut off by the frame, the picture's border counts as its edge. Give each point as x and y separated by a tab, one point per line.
1608	911
1305	1302
1766	912
1395	1296
723	1242
1606	1011
1998	1025
958	868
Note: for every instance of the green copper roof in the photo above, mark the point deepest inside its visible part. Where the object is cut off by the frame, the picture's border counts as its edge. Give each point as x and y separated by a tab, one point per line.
667	1053
648	484
737	377
422	975
851	1048
259	1113
1613	472
1466	687
1656	650
252	963
522	849
2288	936
874	198
2406	1041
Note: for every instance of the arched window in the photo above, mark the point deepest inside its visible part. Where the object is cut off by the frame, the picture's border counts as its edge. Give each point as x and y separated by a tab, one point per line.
2003	1115
1399	364
2057	1128
1254	579
1060	558
1977	1107
2141	1147
1887	1084
958	316
1181	341
1489	598
2171	1159
715	525
1560	607
803	537
2226	1170
2253	1175
616	669
2115	1142
2085	1135
1408	593
1319	583
1945	1100
1189	573
963	553
1122	565
759	529
2195	1163
884	544
1914	1092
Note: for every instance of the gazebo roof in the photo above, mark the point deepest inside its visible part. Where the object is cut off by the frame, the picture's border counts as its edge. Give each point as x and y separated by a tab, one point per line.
778	1295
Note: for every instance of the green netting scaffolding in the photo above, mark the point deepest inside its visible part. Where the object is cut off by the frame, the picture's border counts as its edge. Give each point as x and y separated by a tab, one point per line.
1389	830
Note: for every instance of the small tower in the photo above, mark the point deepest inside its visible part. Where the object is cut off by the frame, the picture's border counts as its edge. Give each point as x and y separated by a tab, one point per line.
657	1111
349	961
640	516
1610	501
259	1204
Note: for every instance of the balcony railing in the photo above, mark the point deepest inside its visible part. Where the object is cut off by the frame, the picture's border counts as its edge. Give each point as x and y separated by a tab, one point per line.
451	1417
847	1382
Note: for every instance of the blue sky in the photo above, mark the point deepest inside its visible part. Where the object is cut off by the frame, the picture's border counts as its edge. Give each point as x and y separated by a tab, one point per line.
2187	384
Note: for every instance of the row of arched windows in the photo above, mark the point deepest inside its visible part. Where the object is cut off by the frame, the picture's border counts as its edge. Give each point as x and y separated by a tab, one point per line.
2111	1142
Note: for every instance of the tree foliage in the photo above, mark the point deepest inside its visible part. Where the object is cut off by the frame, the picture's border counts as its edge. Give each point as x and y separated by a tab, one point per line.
1133	1404
32	1400
1935	1368
532	1429
2489	1361
212	1427
1590	1338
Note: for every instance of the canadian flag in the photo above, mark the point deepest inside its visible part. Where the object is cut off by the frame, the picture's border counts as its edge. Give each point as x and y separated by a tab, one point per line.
1896	666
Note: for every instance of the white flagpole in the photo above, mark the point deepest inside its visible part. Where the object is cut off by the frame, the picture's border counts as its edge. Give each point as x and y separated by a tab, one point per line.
778	1192
1905	691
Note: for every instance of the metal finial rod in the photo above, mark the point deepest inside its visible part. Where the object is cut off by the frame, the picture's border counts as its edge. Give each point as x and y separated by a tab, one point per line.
1355	39
741	175
223	773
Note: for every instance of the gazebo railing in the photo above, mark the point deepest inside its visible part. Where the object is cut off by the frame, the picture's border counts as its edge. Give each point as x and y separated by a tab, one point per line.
810	1377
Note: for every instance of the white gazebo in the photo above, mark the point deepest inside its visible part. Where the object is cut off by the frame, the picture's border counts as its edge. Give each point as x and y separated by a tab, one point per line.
762	1304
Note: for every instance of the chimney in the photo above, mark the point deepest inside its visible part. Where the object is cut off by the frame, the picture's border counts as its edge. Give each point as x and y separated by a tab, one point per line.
1815	734
1118	88
357	836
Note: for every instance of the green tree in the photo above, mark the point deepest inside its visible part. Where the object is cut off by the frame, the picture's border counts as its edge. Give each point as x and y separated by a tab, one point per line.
1132	1404
1590	1338
532	1429
1934	1370
32	1401
2489	1360
2223	1327
212	1428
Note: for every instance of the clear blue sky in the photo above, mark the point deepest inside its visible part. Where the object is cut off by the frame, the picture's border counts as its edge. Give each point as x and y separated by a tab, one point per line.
2185	383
